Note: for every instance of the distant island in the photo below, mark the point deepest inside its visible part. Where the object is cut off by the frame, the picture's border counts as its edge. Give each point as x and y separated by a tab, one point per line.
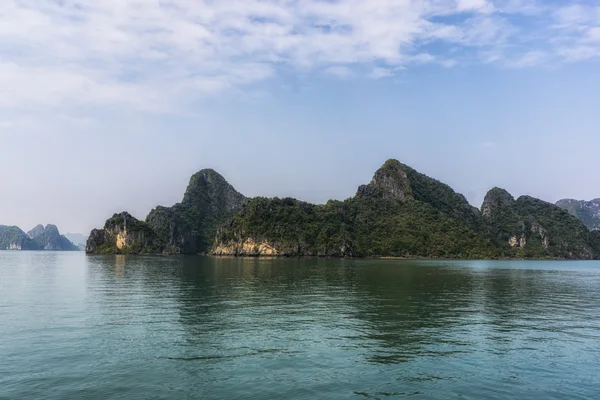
586	211
400	213
39	238
77	239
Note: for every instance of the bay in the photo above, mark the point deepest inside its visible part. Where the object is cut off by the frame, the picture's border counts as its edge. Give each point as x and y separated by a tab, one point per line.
99	327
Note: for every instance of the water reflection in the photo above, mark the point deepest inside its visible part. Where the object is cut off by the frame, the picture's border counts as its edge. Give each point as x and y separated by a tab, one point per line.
394	327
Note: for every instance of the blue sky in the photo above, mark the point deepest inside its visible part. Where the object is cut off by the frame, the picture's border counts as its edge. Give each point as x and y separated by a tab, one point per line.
112	105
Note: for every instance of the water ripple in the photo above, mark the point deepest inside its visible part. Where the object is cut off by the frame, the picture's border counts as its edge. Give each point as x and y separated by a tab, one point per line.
192	327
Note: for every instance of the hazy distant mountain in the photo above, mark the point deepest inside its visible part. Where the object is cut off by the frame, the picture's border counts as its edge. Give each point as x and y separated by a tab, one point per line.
587	211
39	238
49	238
77	239
13	238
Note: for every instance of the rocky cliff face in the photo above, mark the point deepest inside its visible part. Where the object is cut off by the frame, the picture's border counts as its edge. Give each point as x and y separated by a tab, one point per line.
124	234
587	212
49	238
251	248
13	238
188	227
495	201
389	182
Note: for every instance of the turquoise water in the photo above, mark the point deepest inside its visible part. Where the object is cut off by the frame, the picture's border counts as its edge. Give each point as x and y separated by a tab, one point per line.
113	327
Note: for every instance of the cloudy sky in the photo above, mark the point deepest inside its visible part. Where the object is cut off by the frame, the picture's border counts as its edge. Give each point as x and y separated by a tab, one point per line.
110	105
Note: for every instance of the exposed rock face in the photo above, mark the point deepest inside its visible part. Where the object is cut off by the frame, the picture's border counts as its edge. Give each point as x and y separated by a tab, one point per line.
49	238
389	182
537	228
249	247
518	242
587	212
496	199
209	191
124	234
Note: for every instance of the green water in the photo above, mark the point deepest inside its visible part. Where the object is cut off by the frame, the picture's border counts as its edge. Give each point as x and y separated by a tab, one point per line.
77	327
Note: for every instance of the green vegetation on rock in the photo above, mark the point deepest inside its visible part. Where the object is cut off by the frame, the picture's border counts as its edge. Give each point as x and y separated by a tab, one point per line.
186	228
362	227
400	213
529	227
190	226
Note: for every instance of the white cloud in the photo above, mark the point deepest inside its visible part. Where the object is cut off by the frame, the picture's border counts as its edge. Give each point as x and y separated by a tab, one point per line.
577	32
593	34
339	72
158	56
379	73
422	58
479	5
529	59
448	63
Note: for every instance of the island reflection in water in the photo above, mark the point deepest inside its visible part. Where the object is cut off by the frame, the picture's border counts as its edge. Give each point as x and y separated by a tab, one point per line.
202	327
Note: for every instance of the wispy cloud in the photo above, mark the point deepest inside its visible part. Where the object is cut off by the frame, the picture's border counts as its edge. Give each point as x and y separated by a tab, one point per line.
577	32
378	73
339	72
158	55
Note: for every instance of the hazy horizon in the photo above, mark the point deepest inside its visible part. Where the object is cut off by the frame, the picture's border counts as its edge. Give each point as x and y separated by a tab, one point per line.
112	106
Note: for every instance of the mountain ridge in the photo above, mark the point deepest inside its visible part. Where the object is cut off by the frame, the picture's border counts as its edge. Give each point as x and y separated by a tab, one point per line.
401	212
38	238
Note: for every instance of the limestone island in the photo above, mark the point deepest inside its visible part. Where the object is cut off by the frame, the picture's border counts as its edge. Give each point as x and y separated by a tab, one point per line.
400	213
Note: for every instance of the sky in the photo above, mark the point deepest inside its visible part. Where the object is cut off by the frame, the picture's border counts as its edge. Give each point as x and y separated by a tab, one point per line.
112	105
